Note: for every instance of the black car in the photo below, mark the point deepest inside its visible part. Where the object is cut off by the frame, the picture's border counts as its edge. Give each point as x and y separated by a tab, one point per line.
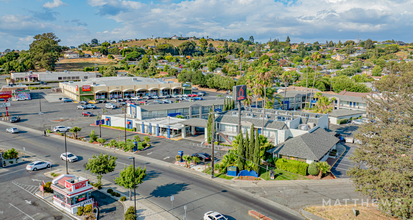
14	119
202	156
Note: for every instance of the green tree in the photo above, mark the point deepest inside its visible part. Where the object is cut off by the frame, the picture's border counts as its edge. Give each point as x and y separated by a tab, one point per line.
241	153
101	164
368	44
125	178
257	152
247	146
251	144
45	50
324	104
377	71
187	48
224	108
384	165
323	167
74	130
209	125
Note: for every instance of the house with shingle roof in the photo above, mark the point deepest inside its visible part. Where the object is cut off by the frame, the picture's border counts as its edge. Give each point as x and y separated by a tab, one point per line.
313	146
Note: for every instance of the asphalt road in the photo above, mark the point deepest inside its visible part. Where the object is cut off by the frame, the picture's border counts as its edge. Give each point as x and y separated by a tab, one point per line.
198	194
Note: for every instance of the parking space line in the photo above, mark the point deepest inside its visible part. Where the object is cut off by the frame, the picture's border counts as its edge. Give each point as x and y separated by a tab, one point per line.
340	169
21	211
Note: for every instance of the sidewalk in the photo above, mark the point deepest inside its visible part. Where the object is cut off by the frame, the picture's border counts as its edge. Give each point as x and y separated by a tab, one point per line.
145	209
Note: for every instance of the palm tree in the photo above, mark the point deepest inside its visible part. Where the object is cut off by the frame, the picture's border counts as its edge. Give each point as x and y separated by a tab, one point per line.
285	77
74	130
112	143
324	104
187	159
323	167
196	160
306	62
266	79
315	56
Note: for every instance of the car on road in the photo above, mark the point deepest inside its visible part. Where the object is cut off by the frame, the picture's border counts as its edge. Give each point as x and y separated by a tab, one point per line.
198	98
202	156
166	101
81	107
12	130
61	129
211	215
67	100
110	106
70	157
14	119
83	102
91	106
146	97
37	165
88	114
21	98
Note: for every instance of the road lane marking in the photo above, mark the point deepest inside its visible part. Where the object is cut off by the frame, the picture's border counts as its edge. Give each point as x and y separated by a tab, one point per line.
149	153
166	157
12	172
21	211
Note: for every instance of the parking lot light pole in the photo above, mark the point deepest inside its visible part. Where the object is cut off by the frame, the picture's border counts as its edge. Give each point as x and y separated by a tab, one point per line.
40	105
212	145
134	188
67	172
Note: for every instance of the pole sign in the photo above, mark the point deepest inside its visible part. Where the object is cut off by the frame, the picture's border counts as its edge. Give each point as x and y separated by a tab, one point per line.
100	122
5	94
239	93
6	104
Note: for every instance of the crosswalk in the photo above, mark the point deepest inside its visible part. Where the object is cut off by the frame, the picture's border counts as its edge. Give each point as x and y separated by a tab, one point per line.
32	189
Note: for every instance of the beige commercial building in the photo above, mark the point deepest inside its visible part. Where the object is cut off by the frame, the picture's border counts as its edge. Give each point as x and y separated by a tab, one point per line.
120	87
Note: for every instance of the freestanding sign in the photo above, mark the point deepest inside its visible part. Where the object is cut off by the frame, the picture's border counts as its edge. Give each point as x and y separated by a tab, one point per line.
239	93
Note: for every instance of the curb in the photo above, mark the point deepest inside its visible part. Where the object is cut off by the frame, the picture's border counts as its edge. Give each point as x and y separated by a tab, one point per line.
309	215
53	205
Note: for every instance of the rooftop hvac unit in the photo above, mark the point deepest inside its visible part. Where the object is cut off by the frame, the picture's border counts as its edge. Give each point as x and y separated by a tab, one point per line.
93	83
280	118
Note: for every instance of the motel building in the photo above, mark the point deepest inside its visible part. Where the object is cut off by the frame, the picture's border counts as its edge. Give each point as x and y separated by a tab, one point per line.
71	192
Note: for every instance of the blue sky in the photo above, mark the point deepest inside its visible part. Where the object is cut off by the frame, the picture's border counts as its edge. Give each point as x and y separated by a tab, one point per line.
76	21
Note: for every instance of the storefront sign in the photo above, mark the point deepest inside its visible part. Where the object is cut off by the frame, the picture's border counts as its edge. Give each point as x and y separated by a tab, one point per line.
239	92
5	94
86	88
6	104
80	185
100	122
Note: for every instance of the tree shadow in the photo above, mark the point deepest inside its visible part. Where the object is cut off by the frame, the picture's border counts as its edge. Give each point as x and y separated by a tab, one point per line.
169	189
152	175
108	207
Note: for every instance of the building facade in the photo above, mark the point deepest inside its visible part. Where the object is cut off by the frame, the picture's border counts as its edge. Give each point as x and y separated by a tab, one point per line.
54	76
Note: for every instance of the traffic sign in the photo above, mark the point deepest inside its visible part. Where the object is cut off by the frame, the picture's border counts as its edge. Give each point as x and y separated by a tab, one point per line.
172	198
100	122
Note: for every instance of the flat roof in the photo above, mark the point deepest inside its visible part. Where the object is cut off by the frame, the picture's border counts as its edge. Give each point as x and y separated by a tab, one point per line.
180	105
197	122
118	81
345	112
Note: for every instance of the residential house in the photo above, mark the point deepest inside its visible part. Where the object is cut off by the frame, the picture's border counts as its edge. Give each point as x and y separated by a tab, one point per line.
313	146
218	71
71	55
338	57
174	37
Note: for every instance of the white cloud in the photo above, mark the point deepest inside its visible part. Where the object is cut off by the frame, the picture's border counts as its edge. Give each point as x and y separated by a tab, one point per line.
54	4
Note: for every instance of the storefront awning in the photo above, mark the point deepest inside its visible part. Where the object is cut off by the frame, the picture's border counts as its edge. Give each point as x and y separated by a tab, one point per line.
196	122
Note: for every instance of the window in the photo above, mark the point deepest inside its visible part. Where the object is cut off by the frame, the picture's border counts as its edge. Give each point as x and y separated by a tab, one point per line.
60	196
80	198
85	77
59	78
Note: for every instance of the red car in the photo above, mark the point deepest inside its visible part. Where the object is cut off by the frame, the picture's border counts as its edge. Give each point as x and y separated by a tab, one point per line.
194	95
142	102
89	114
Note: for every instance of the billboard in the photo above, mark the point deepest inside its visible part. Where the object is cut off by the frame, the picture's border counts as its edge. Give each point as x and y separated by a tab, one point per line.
239	92
5	95
86	88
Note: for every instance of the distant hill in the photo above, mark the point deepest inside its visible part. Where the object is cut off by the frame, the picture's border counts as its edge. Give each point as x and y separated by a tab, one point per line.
173	42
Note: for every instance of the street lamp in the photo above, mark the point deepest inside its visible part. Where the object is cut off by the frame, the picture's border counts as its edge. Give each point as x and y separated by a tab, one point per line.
134	188
67	172
40	105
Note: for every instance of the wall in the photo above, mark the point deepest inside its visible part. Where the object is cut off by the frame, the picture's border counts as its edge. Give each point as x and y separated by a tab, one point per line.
293	124
323	122
296	132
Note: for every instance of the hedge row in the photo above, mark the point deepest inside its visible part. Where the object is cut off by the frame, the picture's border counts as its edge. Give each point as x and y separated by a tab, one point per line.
292	166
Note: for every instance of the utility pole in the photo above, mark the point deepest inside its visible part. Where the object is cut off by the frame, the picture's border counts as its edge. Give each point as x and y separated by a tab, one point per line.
213	140
125	124
239	117
67	172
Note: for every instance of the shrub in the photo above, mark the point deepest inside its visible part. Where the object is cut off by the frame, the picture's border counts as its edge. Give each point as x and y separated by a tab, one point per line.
292	166
101	140
79	210
54	174
178	158
109	190
131	210
117	194
88	208
342	121
93	137
123	198
113	193
48	131
130	217
312	169
10	154
47	187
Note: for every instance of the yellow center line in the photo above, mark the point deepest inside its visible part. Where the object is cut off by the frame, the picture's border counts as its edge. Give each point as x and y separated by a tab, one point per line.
30	142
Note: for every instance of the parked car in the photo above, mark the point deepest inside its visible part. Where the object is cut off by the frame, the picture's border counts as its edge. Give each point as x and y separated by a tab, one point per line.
91	106
88	114
37	165
143	102
201	93
66	100
110	106
157	102
61	129
82	107
185	95
162	97
114	100
155	97
12	130
146	97
201	156
14	119
211	215
70	157
43	83
21	98
92	102
174	96
198	98
136	98
101	101
83	102
194	88
189	95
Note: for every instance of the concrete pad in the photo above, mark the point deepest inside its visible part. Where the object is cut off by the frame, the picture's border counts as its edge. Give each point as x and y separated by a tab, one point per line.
53	97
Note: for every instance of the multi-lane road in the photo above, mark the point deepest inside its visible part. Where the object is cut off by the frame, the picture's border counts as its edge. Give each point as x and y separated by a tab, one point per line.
198	194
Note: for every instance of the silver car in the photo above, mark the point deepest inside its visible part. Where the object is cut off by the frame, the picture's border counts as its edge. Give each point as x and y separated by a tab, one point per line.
12	130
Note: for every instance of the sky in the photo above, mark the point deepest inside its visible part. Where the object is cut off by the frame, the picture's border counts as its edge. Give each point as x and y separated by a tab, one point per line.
79	21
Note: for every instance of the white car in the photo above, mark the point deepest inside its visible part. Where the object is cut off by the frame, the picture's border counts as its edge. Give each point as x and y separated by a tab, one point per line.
211	215
194	88
12	130
61	129
37	165
136	98
70	157
155	97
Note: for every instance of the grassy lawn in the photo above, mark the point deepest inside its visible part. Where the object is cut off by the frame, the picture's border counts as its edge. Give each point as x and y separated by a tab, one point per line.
281	175
222	176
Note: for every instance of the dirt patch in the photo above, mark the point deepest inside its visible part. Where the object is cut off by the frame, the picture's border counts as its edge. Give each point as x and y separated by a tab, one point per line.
60	120
328	177
345	212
